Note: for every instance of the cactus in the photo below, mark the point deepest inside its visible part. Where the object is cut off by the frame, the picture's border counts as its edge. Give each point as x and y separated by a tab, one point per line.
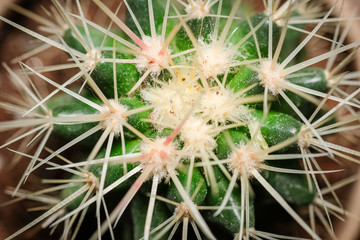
182	113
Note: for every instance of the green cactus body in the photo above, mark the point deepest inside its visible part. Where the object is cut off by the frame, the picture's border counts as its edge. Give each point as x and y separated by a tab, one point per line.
223	149
126	75
116	170
70	131
161	213
202	116
293	187
277	128
248	50
201	28
97	38
292	39
196	180
313	78
140	9
228	219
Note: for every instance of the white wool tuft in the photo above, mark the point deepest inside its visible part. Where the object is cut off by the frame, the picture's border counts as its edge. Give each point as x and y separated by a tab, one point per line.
197	9
117	115
213	59
197	135
151	58
160	156
245	158
271	77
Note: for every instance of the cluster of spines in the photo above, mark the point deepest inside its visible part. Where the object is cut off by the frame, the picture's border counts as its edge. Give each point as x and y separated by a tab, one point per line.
202	97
